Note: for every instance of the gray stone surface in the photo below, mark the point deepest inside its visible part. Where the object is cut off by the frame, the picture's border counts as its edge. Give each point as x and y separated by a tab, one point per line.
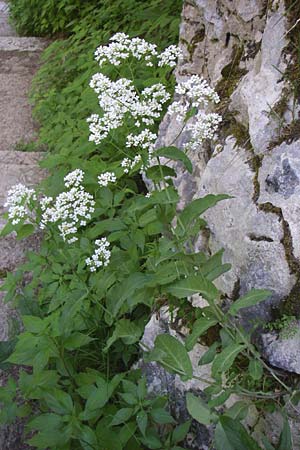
5	28
283	349
260	89
279	179
16	73
251	237
22	44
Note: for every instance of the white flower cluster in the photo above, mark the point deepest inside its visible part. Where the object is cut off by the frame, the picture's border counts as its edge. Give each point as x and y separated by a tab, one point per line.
129	164
71	209
74	178
18	203
203	128
196	93
106	177
122	47
101	256
169	56
145	139
119	98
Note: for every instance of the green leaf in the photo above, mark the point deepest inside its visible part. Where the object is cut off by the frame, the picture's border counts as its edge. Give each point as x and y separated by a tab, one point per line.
59	401
44	421
237	435
7	229
152	440
199	410
191	113
147	217
175	154
197	207
109	440
250	299
122	416
25	231
142	421
220	439
209	355
191	285
172	355
220	399
267	445
126	330
255	369
224	360
106	225
99	395
238	411
34	324
157	173
285	440
77	340
200	326
6	349
180	432
161	416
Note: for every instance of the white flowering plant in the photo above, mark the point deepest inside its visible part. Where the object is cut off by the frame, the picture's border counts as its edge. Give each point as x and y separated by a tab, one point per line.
112	255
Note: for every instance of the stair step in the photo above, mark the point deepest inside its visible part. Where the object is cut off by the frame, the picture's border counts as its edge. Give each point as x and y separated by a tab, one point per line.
22	44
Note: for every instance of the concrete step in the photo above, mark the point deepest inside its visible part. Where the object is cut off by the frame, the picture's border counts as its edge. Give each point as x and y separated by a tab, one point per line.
5	28
17	70
19	167
22	44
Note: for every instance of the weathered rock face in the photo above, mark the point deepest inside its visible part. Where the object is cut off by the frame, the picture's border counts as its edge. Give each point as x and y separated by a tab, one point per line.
243	49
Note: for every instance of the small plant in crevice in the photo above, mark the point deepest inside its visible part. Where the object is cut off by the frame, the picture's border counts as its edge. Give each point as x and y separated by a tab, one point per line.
110	254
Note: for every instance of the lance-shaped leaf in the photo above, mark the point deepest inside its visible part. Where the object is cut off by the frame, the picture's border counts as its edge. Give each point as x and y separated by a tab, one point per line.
126	330
197	207
200	326
175	154
237	435
199	410
224	360
172	355
250	299
192	285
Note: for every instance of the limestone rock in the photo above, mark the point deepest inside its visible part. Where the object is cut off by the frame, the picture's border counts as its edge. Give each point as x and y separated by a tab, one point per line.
283	349
252	238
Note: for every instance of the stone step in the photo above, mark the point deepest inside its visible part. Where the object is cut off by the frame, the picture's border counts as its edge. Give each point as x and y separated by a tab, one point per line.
16	73
5	27
19	167
22	44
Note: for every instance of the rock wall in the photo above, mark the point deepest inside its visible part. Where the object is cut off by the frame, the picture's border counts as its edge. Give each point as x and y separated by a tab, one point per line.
245	49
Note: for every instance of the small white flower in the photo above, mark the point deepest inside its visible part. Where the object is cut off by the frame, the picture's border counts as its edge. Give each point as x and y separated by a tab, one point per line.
18	202
169	56
106	177
145	139
129	164
74	178
71	209
122	47
101	255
